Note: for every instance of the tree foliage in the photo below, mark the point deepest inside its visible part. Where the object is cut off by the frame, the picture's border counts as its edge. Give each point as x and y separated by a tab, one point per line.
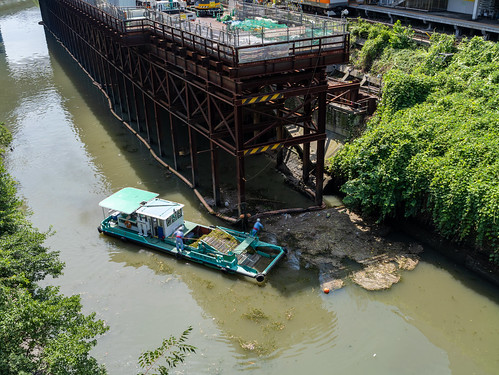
432	149
41	330
173	350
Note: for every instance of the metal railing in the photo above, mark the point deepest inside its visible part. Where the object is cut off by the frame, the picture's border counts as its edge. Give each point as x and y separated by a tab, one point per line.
303	34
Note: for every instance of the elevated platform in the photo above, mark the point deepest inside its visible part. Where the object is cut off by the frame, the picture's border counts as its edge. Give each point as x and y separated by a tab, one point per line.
173	81
298	34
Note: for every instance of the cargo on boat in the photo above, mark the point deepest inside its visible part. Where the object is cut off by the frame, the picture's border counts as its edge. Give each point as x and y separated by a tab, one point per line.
140	216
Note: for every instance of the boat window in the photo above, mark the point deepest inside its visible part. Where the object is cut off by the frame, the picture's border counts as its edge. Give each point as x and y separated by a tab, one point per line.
177	215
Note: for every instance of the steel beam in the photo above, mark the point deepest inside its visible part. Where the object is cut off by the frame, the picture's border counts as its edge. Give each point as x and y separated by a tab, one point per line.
202	87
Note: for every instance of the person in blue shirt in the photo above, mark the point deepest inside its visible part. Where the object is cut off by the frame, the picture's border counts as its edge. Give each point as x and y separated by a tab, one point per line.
258	226
179	239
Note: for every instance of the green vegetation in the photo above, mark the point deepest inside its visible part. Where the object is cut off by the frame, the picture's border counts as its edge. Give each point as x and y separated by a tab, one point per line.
41	331
431	151
174	350
384	47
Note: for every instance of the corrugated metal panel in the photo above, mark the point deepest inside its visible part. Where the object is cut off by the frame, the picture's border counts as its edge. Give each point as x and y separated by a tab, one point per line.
127	200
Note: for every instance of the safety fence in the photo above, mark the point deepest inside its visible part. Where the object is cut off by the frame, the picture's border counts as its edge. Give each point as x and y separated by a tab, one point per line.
301	34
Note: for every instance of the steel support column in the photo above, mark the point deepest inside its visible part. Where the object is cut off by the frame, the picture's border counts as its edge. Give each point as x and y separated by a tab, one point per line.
307	108
158	128
213	152
240	174
319	166
173	133
194	156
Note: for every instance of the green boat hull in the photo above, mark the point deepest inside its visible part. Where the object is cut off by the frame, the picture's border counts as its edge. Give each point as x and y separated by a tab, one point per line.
252	257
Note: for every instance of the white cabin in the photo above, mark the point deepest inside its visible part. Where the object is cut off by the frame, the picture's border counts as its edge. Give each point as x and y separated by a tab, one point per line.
143	212
159	217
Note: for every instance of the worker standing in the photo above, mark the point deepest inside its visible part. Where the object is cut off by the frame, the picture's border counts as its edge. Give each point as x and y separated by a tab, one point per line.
258	226
179	239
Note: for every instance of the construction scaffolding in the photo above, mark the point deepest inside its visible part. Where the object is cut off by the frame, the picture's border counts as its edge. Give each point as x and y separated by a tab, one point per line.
237	89
275	32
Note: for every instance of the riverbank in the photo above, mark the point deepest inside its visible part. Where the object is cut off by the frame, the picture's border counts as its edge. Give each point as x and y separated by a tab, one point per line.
340	244
343	247
346	248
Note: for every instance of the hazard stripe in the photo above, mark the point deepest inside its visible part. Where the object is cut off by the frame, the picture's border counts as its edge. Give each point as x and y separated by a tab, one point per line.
262	98
259	150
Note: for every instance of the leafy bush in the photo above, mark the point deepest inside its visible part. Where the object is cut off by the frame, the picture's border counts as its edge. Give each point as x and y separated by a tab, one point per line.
173	351
41	331
402	90
380	40
432	149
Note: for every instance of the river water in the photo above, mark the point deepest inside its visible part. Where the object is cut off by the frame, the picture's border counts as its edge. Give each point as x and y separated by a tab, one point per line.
69	153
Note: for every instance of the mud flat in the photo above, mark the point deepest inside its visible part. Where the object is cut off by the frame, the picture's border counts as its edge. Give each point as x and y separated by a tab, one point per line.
343	248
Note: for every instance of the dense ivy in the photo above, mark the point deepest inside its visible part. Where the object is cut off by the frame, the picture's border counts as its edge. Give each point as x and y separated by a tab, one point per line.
432	148
380	40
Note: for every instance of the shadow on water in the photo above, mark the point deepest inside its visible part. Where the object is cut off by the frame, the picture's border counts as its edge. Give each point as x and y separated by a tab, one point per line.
427	319
256	320
458	271
467	278
267	189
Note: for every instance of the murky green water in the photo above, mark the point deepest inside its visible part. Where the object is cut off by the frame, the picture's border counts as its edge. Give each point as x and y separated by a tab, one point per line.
69	153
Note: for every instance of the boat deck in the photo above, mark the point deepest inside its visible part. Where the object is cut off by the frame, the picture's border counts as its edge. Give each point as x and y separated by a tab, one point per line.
229	250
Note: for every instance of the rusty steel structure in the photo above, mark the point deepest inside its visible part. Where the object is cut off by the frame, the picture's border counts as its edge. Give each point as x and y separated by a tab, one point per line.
237	91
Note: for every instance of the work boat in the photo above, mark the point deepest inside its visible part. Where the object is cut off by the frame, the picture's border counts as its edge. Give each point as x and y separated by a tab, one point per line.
140	216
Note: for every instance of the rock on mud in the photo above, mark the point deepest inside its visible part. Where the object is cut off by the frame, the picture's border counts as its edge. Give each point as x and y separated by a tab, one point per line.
377	276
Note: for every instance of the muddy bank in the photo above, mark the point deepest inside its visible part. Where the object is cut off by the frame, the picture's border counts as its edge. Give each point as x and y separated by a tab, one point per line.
342	247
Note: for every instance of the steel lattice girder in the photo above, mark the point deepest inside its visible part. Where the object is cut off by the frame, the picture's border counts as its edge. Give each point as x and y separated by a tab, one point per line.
237	107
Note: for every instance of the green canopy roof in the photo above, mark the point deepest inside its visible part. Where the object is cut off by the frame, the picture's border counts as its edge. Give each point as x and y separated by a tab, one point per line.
127	200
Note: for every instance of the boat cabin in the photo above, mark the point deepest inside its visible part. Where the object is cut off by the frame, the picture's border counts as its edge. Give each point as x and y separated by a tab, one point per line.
143	212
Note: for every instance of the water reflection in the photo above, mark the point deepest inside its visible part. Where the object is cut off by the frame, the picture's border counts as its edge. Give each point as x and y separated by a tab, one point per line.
255	321
277	318
26	58
463	321
69	153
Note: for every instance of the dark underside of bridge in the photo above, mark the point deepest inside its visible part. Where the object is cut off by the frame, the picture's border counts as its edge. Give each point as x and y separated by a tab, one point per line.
171	84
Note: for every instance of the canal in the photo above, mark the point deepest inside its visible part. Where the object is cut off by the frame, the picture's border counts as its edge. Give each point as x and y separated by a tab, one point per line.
69	153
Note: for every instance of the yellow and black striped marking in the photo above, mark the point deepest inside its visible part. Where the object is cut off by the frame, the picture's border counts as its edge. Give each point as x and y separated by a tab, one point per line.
262	98
259	150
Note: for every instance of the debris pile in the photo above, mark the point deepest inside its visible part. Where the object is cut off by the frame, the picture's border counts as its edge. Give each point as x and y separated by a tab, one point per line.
344	248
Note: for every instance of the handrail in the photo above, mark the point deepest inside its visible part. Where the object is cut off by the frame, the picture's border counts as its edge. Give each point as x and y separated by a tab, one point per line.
304	35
